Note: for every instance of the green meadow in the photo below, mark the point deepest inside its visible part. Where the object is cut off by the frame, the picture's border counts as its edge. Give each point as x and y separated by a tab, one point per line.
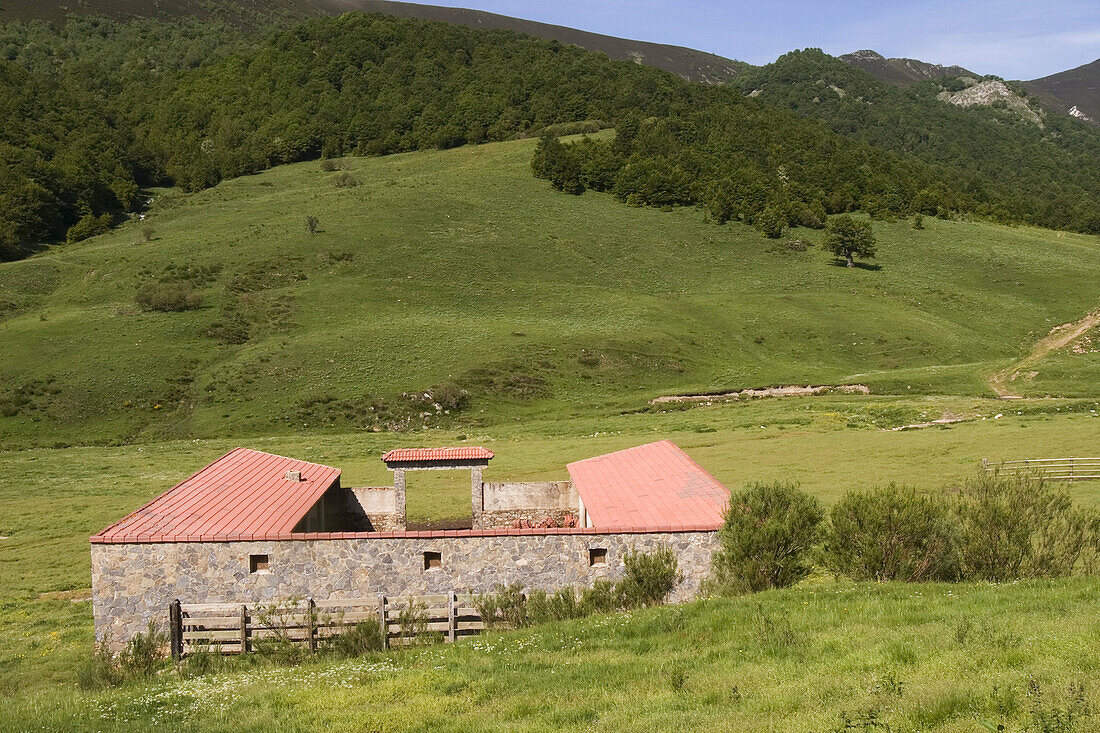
458	266
562	317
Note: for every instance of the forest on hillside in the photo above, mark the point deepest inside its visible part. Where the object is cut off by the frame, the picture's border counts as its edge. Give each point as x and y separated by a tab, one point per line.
97	109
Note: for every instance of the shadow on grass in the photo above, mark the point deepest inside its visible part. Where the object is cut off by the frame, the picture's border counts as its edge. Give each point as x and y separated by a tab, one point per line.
840	262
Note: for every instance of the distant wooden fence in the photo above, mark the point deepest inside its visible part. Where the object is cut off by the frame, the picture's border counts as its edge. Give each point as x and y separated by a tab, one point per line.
1052	469
235	628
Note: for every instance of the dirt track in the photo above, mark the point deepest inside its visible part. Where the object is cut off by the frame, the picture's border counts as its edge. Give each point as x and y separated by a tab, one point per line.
1058	337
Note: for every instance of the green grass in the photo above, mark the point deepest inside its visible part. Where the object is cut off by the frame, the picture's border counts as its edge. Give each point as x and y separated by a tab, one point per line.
813	658
459	265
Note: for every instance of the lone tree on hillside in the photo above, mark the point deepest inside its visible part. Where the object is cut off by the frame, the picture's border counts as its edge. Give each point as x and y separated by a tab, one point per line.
848	238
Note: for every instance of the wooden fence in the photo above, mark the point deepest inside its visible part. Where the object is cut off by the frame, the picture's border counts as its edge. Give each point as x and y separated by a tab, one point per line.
1052	469
236	628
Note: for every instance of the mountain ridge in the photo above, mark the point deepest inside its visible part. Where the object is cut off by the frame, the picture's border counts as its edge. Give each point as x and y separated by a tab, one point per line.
688	63
901	71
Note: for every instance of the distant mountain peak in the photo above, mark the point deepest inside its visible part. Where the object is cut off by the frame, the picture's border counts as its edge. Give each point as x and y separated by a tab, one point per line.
902	72
1075	92
865	54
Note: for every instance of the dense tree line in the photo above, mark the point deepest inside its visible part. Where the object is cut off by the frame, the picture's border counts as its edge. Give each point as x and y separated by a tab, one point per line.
95	109
1013	169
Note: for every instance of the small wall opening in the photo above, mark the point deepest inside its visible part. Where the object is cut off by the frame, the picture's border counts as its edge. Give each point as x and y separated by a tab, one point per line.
433	560
597	557
258	564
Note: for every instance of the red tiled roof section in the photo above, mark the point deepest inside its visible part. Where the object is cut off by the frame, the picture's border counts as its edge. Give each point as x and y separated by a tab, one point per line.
408	455
243	495
651	485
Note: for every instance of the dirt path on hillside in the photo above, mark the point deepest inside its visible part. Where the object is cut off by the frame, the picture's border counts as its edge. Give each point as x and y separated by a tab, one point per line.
1058	337
793	390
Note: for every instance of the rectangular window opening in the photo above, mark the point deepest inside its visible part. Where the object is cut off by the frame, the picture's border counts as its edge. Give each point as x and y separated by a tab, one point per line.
433	560
257	564
597	557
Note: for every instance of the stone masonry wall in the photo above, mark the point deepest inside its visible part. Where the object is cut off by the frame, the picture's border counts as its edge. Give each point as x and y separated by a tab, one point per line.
374	510
534	501
134	583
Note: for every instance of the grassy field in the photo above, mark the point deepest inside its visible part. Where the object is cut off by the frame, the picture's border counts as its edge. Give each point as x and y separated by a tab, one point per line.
458	265
53	499
824	656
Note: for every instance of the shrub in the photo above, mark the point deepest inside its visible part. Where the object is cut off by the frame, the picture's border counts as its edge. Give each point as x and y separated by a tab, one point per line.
602	597
766	539
89	226
344	180
311	224
892	533
507	606
772	222
558	606
146	233
649	577
141	658
412	620
1021	527
449	395
366	637
328	165
169	297
201	660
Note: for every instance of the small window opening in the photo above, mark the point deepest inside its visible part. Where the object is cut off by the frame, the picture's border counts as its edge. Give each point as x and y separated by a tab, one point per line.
433	560
597	557
257	564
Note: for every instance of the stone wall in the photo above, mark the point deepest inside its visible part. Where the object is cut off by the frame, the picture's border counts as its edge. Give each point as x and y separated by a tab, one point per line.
504	503
374	509
507	517
134	583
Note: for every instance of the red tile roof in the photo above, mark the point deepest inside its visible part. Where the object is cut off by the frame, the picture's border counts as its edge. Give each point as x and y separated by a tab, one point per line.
243	495
471	453
651	485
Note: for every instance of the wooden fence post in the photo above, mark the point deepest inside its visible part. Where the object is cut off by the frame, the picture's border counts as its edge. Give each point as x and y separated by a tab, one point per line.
452	601
385	621
175	623
244	629
311	611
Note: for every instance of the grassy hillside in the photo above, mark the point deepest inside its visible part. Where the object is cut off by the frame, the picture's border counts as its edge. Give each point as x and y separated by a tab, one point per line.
459	266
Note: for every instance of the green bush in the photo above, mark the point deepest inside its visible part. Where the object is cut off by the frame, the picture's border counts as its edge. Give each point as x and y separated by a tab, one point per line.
1022	527
601	597
563	604
366	637
649	577
169	297
89	225
892	533
766	540
507	606
344	180
141	658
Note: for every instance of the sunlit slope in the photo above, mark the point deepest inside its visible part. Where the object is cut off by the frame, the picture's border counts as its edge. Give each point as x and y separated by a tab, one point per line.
460	266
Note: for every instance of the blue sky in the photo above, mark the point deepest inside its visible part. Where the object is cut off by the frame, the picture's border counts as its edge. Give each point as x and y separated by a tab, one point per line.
1010	38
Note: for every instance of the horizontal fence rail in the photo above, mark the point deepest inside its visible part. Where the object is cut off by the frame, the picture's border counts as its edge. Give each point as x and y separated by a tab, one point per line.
1052	469
237	628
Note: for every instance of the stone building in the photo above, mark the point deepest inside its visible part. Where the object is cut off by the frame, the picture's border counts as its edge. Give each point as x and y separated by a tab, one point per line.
253	527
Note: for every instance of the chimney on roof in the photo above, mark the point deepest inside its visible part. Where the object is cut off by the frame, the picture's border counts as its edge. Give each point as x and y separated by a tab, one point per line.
293	476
